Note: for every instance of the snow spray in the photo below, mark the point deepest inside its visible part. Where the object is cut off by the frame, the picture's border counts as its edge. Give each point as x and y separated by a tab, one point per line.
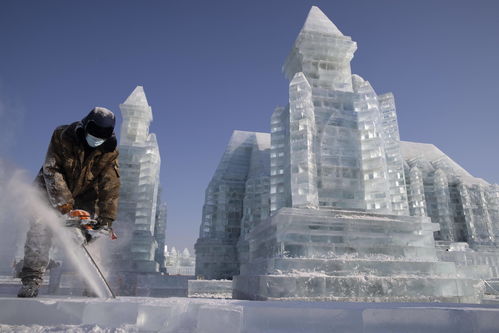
22	202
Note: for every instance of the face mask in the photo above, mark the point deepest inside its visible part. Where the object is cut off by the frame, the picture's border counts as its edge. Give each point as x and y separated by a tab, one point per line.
93	141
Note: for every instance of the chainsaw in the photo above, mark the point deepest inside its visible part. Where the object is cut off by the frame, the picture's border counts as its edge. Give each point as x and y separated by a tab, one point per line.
87	231
81	219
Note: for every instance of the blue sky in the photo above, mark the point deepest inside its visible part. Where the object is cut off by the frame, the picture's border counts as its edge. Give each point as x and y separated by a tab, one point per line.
210	67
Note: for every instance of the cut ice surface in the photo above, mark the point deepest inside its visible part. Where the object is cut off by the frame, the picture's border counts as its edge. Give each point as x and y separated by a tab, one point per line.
228	316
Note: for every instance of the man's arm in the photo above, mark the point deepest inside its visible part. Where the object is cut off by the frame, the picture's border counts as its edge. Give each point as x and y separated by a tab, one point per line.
58	192
109	191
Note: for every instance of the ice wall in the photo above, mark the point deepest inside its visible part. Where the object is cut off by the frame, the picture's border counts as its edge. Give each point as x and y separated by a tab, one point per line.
464	206
238	188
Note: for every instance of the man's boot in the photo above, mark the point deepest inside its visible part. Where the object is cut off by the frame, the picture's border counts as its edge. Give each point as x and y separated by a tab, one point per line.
29	288
88	292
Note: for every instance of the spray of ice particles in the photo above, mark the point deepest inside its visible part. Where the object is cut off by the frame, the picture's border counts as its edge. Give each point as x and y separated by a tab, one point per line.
21	202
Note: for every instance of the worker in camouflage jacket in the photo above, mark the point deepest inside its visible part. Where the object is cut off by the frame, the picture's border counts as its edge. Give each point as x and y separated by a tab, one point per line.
80	172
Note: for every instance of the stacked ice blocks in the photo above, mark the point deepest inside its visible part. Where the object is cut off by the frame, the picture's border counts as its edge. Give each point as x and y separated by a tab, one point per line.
348	255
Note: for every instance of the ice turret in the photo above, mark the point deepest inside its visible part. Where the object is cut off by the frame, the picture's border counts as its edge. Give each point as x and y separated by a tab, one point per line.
137	115
322	53
137	97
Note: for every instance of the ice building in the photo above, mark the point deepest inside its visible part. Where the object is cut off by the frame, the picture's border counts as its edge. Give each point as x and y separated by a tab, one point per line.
241	180
179	263
141	216
353	211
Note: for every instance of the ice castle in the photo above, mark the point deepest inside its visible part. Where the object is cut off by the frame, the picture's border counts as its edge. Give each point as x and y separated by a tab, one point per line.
142	216
333	206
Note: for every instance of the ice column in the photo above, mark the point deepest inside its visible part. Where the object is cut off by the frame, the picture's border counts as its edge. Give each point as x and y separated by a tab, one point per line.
374	168
160	231
394	159
472	234
478	215
280	192
492	195
481	211
417	203
442	213
302	144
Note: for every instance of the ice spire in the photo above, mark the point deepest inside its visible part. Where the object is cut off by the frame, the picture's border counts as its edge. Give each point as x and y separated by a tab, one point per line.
317	21
137	115
137	97
322	53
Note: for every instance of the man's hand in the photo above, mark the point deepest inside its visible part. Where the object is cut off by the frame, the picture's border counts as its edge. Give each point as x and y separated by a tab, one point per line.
64	209
103	222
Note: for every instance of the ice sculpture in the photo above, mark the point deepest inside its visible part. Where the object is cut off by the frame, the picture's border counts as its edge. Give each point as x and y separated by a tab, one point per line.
353	210
179	263
141	220
355	161
240	177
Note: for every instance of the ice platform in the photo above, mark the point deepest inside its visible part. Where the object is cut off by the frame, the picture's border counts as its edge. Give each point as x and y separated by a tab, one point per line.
186	315
338	255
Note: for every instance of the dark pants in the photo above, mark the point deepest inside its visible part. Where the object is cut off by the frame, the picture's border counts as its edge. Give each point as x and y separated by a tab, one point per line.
36	252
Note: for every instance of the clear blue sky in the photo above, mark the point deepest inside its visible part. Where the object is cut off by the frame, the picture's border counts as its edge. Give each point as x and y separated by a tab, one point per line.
210	67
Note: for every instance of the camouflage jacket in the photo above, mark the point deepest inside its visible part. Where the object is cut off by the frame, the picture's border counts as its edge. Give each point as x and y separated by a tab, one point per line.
86	178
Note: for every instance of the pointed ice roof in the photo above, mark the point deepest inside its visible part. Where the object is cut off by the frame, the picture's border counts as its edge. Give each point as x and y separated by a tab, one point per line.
137	97
300	78
317	21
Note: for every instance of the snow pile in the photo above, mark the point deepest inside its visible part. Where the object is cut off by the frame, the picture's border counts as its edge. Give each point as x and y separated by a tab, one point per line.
210	288
196	315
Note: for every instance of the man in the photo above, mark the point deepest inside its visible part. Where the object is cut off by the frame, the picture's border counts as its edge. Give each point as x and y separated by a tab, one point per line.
80	172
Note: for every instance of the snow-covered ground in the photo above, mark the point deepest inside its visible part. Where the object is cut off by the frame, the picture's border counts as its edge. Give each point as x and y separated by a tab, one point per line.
209	315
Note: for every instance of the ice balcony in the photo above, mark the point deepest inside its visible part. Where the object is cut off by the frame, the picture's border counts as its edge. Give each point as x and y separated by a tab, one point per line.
331	254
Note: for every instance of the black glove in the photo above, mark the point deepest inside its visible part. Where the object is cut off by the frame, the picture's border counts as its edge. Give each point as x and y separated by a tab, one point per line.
103	222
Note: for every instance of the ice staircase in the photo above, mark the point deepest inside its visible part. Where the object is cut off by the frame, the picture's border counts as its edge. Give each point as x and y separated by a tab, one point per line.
310	254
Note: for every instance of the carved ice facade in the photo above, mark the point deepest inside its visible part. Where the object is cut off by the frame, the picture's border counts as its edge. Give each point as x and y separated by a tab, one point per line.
352	212
236	196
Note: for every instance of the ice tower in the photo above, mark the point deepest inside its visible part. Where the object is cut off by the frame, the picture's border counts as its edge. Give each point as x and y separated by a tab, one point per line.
339	224
343	137
142	219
